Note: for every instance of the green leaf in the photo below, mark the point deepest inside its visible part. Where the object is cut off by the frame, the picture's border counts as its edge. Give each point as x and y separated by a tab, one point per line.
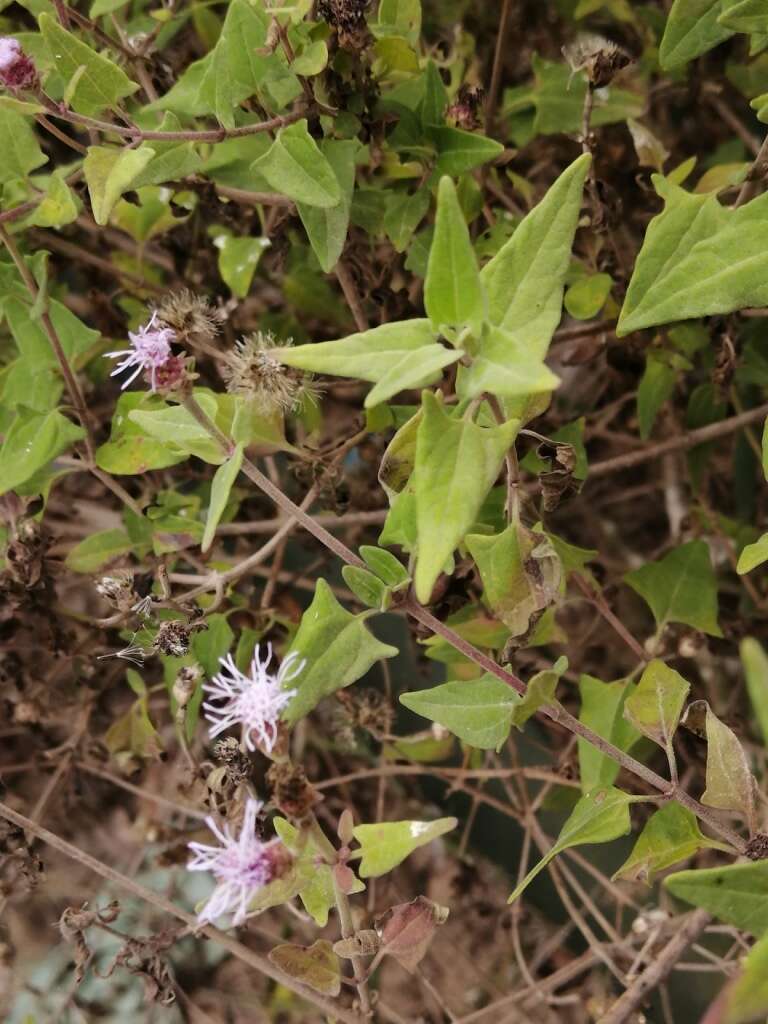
129	450
396	356
237	67
456	465
765	449
31	442
692	28
402	215
698	258
747	999
385	846
316	966
337	647
97	550
174	425
478	711
657	385
521	574
239	256
680	587
670	835
753	555
598	817
58	207
558	96
459	151
327	228
314	878
539	693
387	567
20	148
755	663
110	171
452	291
655	705
366	587
730	785
294	166
506	367
736	894
602	710
745	16
524	280
587	296
101	83
223	481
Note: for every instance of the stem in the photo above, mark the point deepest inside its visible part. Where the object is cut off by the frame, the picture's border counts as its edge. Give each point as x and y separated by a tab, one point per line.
755	173
682	441
249	956
136	134
498	61
350	294
662	964
426	618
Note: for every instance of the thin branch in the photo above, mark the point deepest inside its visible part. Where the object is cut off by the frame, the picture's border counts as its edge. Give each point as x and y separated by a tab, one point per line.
754	175
350	294
682	442
624	1008
498	62
248	956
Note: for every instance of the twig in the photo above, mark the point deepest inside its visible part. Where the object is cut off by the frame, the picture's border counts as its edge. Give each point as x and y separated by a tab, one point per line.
754	174
248	956
661	966
498	61
683	441
350	294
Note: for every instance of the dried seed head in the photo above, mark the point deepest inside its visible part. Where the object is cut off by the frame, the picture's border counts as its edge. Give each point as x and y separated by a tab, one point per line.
254	370
184	684
173	638
190	315
292	792
237	765
117	588
599	58
344	15
17	70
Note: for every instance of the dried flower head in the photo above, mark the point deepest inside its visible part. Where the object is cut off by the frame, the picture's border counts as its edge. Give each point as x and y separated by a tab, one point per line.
254	702
172	638
598	57
254	370
344	15
189	314
17	70
465	111
241	866
150	351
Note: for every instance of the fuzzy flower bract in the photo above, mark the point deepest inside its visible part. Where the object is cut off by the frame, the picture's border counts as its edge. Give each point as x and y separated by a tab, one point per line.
150	351
254	701
241	865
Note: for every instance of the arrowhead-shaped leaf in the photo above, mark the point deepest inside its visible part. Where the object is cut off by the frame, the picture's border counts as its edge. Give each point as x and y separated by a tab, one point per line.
671	834
730	785
680	587
294	166
384	846
316	966
655	705
692	28
110	171
598	817
478	711
602	709
736	894
457	463
524	281
337	647
452	291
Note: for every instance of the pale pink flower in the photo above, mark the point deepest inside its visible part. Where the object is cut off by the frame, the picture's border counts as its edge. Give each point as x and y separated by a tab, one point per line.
151	351
255	701
241	866
17	70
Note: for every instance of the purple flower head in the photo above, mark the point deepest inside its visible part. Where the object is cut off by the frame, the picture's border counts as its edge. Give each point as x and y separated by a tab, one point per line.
241	866
17	70
254	701
151	352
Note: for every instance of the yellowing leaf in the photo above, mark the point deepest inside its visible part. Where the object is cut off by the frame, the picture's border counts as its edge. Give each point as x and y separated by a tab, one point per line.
384	846
110	171
730	785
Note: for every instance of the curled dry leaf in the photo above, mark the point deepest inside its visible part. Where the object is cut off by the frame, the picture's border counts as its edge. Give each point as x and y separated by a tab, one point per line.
407	929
